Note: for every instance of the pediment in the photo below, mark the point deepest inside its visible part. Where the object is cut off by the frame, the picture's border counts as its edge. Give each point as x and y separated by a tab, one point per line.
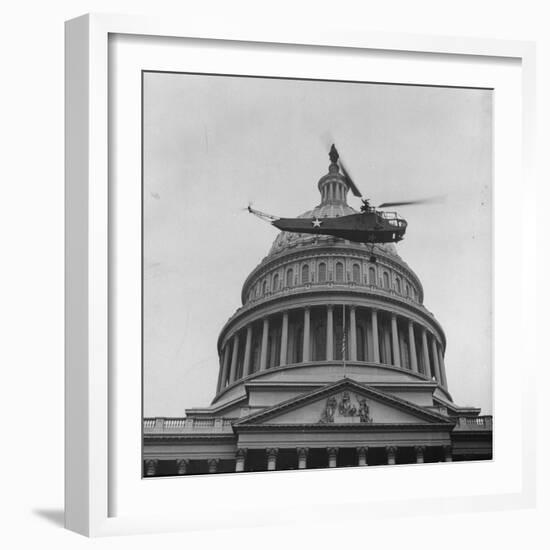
344	403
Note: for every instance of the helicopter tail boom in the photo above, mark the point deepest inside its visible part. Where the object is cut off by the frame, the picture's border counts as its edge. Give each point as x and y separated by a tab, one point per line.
262	215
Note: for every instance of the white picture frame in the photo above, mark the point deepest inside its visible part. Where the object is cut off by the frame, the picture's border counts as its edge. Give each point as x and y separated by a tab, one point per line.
92	441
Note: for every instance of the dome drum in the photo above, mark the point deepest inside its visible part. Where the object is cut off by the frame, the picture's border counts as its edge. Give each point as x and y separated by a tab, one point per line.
321	331
335	264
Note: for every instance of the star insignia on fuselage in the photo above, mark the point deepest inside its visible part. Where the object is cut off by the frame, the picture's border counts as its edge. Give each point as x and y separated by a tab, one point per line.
316	222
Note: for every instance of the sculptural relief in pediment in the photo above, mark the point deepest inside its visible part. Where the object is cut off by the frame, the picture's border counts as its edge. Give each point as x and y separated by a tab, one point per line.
346	408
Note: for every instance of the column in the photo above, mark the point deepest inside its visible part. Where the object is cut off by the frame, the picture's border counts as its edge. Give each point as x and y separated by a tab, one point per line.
442	367
225	367
240	457
220	371
436	360
375	343
213	465
247	348
284	340
272	458
362	456
447	453
419	451
391	451
182	465
151	465
330	335
306	343
395	341
263	353
412	348
426	355
233	371
332	456
302	457
352	334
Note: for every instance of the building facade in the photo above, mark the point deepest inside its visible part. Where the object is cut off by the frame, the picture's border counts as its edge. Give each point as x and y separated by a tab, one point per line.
332	360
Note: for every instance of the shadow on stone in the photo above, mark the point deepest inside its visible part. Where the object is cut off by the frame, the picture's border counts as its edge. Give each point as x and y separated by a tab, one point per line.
57	517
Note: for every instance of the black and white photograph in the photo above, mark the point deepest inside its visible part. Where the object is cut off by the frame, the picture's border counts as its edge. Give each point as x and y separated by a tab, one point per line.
275	274
317	285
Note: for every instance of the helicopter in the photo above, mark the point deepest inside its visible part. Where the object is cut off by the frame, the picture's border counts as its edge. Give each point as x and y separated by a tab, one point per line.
371	225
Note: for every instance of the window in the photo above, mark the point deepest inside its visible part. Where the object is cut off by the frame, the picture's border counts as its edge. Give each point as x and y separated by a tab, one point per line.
372	276
305	274
356	273
339	272
290	277
322	272
275	282
386	280
398	285
264	287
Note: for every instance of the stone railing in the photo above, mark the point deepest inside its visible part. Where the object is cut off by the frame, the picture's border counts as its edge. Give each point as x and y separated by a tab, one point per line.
474	423
301	287
186	425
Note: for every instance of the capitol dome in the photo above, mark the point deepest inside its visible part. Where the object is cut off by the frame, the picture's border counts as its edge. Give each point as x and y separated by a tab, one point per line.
315	301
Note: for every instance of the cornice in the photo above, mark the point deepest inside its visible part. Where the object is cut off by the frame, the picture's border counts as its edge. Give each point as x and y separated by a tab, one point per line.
462	411
422	385
166	437
213	411
363	427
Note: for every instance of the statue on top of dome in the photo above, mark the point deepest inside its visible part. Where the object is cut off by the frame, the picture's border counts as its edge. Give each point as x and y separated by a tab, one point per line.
333	154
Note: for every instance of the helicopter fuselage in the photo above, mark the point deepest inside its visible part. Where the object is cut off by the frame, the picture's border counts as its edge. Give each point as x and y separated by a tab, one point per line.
365	227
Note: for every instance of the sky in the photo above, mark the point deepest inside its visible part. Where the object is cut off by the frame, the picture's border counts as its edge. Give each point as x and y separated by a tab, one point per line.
212	144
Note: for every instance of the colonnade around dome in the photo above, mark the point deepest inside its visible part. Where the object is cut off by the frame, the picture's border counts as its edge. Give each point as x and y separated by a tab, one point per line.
314	334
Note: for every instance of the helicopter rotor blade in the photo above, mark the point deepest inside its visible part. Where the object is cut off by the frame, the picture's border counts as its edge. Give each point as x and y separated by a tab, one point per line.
353	187
429	200
327	138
